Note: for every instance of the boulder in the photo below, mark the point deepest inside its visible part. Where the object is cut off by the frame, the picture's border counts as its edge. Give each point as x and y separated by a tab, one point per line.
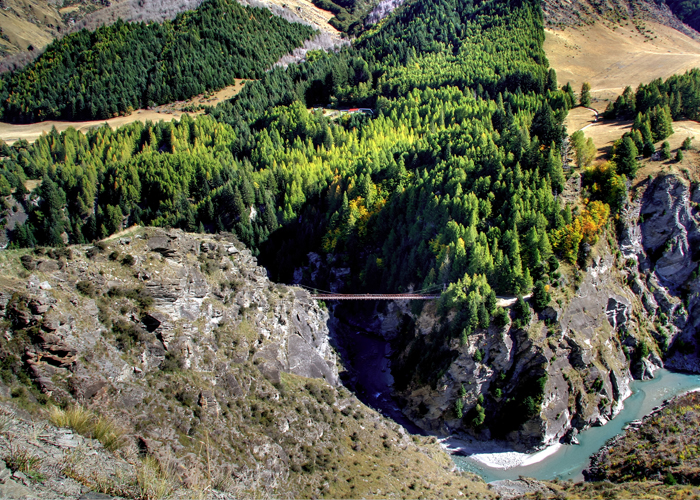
617	312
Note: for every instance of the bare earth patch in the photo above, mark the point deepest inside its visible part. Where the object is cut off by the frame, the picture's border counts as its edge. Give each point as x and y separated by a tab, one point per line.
604	133
307	11
579	118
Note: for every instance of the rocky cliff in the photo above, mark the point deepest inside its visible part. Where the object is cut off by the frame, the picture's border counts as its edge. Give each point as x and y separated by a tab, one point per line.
661	240
224	379
634	307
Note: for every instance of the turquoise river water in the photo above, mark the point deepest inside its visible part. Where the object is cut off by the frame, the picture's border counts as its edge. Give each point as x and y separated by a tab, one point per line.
569	461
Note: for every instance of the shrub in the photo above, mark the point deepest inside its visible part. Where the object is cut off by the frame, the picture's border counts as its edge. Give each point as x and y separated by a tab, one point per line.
459	407
480	416
139	295
18	392
126	333
128	260
500	317
665	151
171	363
87	288
540	296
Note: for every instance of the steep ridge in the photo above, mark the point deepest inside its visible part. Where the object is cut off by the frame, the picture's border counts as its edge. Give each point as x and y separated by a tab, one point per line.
29	26
560	14
662	234
225	379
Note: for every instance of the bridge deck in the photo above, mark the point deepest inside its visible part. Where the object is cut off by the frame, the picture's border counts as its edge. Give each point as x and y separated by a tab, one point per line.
373	296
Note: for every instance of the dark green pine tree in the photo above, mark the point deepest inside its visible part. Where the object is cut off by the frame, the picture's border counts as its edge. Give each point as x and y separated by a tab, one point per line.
626	157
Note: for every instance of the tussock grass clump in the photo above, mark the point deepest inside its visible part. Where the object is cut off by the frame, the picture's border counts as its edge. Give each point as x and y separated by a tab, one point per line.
89	424
21	460
75	417
153	479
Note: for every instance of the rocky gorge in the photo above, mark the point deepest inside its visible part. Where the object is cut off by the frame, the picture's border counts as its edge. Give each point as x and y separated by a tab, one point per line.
213	379
218	381
632	309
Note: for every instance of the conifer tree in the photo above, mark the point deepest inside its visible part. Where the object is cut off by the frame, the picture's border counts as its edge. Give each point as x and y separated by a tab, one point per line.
585	99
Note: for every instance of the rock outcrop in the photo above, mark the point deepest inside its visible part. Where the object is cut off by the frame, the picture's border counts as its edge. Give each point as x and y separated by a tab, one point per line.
180	311
661	233
226	379
572	364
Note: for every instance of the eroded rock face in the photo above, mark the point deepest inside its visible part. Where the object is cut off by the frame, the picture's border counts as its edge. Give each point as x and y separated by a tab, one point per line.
665	240
169	339
582	354
184	311
670	230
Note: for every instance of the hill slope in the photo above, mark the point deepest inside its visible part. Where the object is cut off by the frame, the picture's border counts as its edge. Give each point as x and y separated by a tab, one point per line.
643	51
29	26
221	377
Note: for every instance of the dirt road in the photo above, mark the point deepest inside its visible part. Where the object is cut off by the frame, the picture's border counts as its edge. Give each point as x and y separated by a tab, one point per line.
168	112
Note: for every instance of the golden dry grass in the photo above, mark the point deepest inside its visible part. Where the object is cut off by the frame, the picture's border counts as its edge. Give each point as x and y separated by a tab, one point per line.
16	22
87	423
610	58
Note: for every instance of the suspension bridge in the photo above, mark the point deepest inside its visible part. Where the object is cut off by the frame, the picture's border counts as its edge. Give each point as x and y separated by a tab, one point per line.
430	293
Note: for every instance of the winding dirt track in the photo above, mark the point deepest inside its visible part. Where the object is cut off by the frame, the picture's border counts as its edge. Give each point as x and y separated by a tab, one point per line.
11	133
30	132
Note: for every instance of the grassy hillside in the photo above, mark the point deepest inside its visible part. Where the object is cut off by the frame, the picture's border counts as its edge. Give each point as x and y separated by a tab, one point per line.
644	51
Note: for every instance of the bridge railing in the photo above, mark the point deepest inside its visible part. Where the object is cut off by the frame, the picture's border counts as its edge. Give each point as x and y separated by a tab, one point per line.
430	293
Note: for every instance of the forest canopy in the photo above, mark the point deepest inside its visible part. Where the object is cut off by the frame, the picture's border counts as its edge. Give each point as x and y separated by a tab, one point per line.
454	179
126	66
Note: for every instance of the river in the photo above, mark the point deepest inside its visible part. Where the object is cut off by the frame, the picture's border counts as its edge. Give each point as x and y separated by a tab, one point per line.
369	355
568	461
